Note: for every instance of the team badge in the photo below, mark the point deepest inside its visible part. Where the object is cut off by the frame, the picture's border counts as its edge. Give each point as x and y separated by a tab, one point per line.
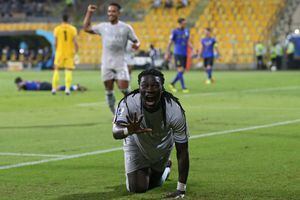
120	111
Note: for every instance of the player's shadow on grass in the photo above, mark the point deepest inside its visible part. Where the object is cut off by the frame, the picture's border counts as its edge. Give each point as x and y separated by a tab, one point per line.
113	192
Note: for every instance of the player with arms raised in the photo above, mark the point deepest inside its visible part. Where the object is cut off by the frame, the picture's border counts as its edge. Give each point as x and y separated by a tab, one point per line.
151	120
115	35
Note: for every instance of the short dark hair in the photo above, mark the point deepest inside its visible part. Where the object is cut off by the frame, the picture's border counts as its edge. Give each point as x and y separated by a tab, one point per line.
116	5
208	29
180	20
65	18
18	80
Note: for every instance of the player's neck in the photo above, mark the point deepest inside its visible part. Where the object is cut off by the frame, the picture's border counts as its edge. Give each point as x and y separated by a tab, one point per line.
115	22
154	109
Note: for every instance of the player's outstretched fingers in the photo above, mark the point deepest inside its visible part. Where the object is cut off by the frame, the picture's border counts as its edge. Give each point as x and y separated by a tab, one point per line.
135	118
140	119
147	130
129	119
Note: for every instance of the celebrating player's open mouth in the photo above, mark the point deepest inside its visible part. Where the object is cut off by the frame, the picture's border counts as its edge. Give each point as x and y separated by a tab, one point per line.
150	100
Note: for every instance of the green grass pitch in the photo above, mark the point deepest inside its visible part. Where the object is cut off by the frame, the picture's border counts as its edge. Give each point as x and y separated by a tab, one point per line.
245	139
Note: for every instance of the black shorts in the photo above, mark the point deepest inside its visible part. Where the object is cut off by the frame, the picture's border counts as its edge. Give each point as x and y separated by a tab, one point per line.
180	61
45	86
208	61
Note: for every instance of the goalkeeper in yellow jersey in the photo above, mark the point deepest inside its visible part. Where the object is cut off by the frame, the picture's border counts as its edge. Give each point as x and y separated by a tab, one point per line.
66	48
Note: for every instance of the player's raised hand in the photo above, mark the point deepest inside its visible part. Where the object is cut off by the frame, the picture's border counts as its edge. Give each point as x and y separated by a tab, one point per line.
92	8
134	125
175	195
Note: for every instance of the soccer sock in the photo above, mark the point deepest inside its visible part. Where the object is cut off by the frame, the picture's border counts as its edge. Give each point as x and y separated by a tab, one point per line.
55	79
209	73
68	79
182	80
176	78
110	99
166	173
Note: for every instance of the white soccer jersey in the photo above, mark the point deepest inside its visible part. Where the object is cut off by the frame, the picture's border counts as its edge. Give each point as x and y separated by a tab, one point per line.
160	142
114	40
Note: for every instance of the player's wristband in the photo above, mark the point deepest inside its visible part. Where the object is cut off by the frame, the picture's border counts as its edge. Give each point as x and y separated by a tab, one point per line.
181	186
125	131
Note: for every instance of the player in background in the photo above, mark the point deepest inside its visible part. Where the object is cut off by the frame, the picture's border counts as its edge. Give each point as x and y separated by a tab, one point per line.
151	120
180	37
207	52
44	86
66	49
260	51
115	35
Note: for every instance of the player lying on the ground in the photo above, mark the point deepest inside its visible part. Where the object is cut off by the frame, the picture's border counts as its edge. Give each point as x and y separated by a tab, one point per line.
151	120
44	86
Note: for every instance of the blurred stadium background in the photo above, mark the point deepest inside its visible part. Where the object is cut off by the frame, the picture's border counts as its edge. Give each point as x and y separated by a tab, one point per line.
26	27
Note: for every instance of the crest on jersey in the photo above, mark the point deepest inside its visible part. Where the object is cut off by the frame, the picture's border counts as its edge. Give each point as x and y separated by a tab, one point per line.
120	111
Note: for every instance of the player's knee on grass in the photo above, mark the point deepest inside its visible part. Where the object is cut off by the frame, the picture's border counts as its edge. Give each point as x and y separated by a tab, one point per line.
138	181
155	179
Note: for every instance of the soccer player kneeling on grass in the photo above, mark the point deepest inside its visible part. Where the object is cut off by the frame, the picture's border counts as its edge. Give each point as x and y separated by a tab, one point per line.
151	120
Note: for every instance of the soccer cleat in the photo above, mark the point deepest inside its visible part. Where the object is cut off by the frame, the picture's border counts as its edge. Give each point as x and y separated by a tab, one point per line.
208	82
53	92
185	90
172	88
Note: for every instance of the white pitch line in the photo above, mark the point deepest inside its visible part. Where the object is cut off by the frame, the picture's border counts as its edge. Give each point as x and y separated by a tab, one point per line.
120	148
28	154
60	158
100	103
244	91
245	129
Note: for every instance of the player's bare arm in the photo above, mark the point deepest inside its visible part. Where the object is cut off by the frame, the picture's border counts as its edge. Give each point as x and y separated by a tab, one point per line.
183	170
87	27
168	49
133	126
75	44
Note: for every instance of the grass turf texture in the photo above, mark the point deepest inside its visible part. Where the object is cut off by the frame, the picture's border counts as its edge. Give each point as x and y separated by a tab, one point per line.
254	164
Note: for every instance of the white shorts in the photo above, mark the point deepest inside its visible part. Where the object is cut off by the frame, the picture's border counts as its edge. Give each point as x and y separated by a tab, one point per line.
116	74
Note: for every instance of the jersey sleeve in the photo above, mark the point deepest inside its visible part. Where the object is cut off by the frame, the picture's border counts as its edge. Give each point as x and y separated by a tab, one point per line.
179	125
131	35
121	113
98	28
75	32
